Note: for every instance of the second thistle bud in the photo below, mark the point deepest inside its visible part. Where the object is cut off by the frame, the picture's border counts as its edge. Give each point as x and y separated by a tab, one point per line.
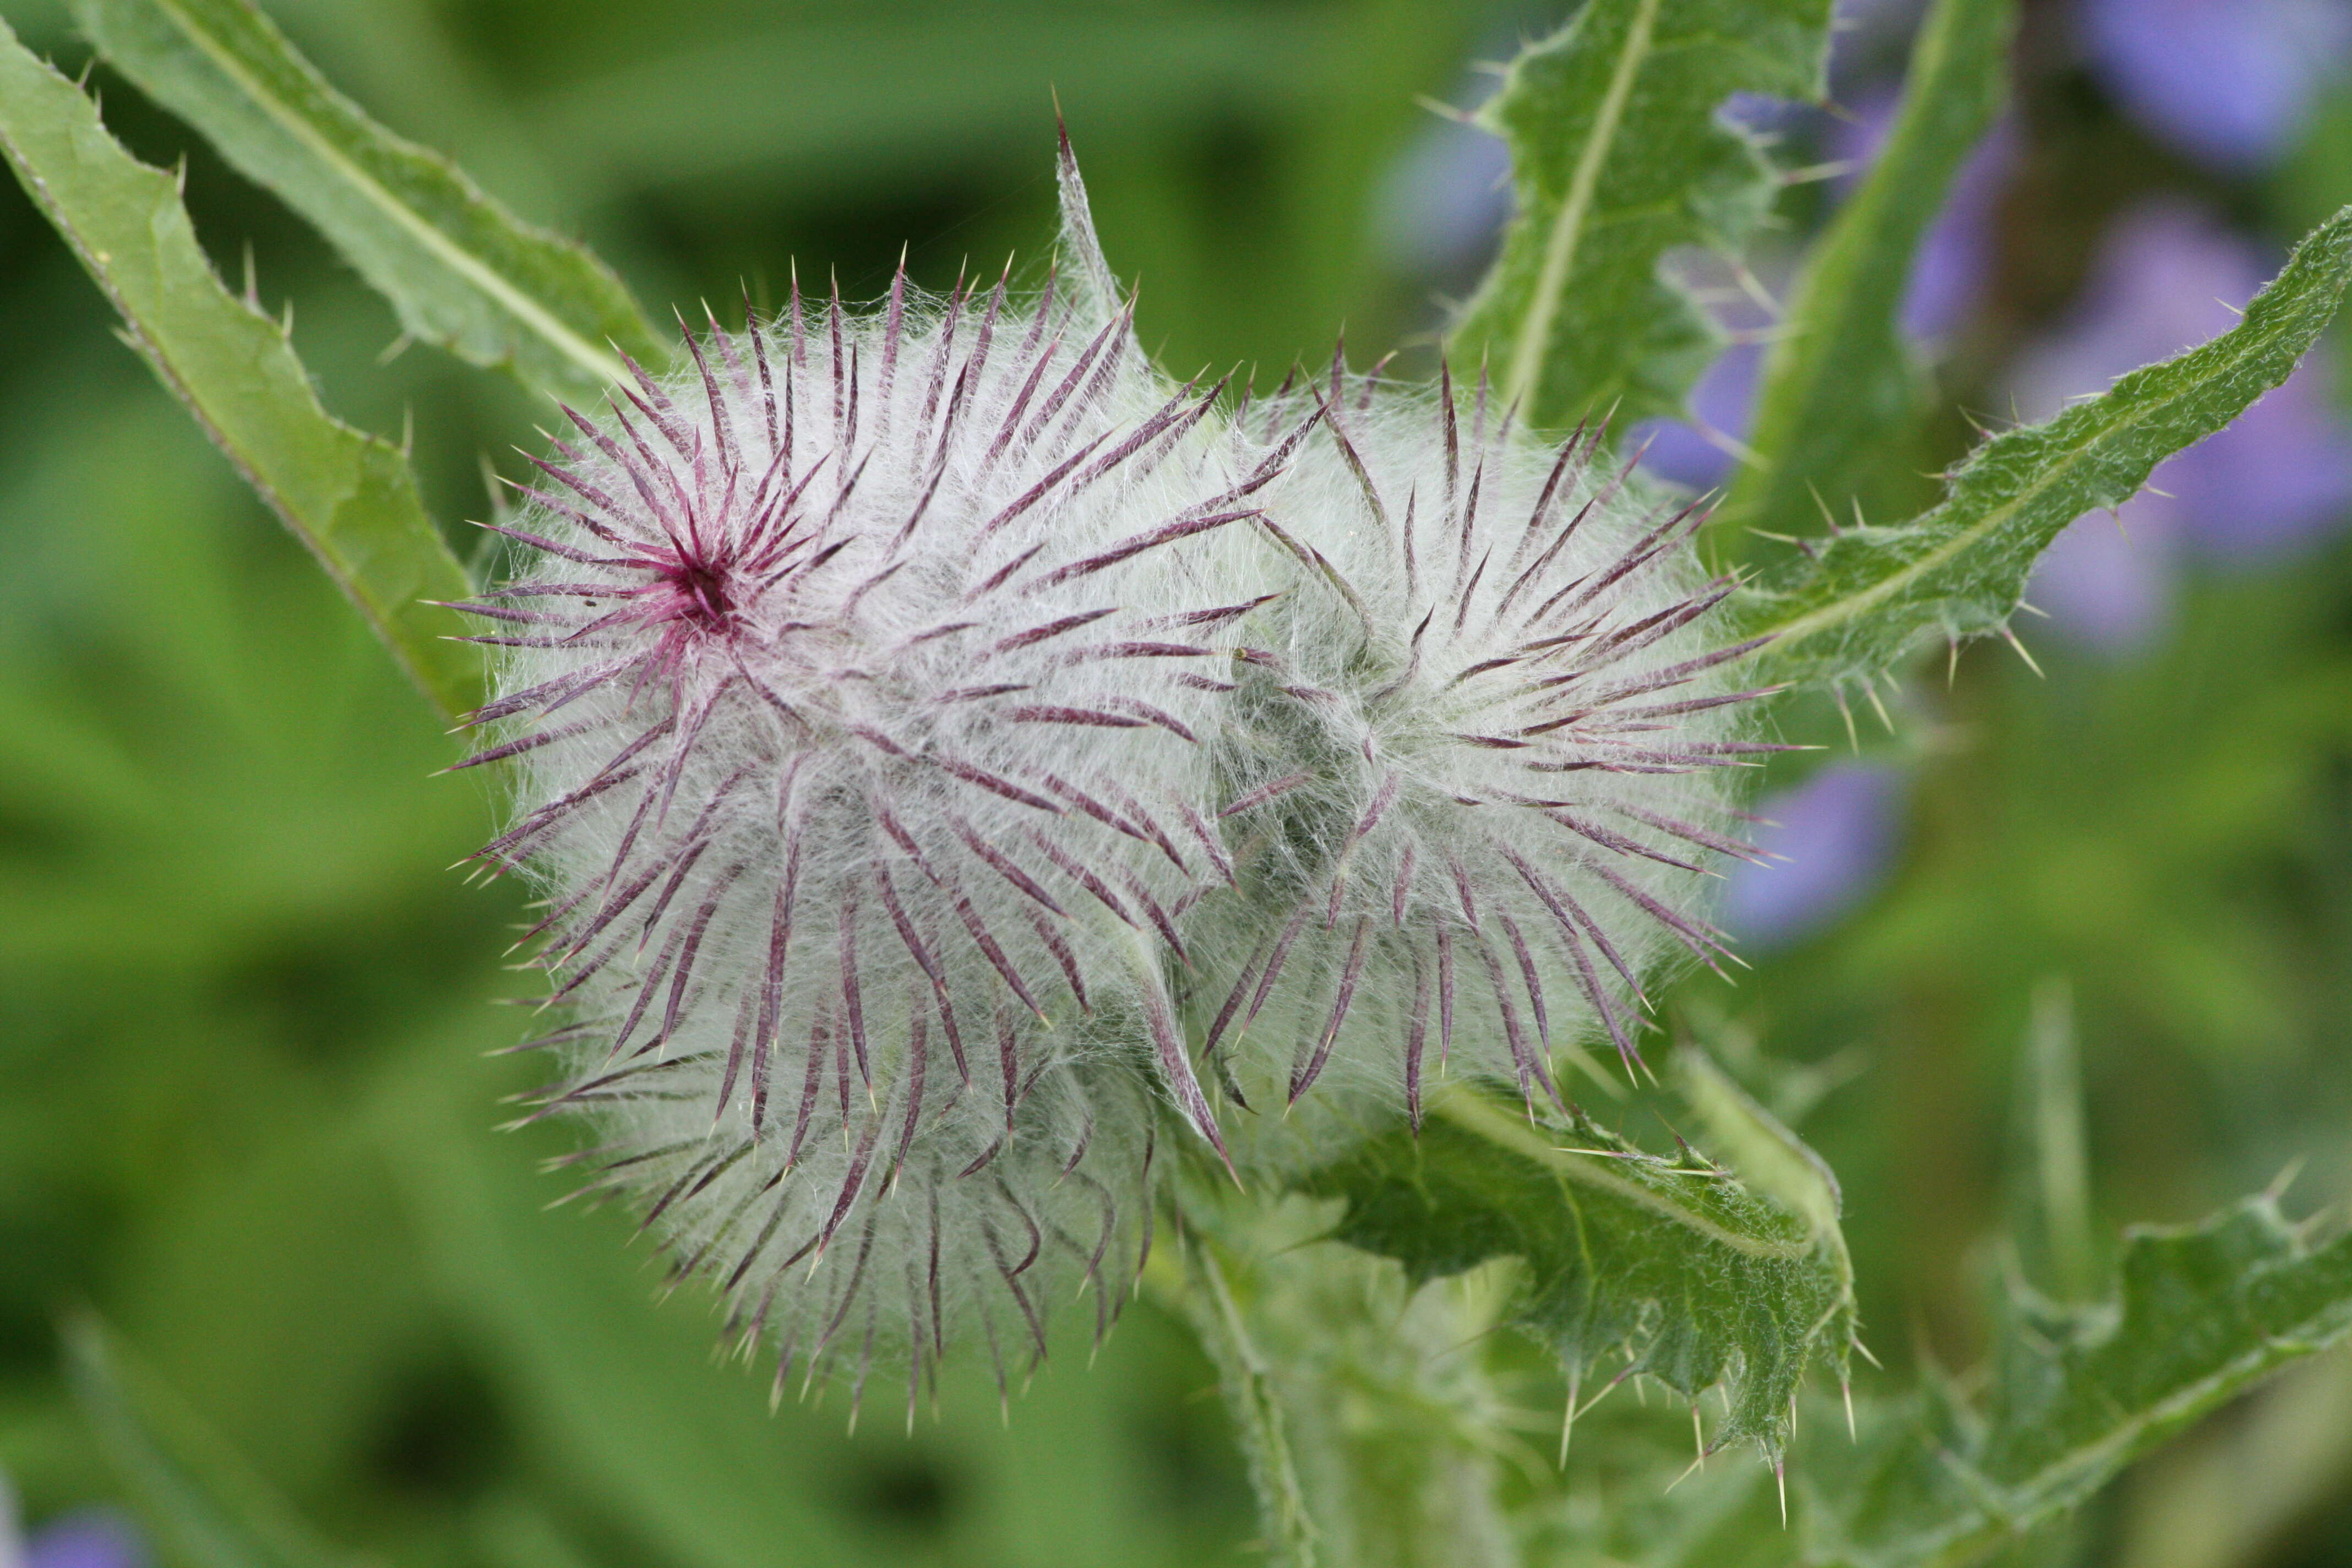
1475	764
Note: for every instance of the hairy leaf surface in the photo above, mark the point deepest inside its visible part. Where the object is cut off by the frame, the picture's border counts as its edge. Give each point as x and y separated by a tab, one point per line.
1700	1279
1841	383
1618	155
2075	1394
460	270
347	495
1942	1478
1860	598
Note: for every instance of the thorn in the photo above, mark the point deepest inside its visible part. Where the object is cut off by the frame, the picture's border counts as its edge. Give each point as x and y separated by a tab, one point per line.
1827	516
1780	1478
1869	689
1445	110
2012	637
1852	738
1568	1422
1813	172
1753	287
2285	1179
1846	1388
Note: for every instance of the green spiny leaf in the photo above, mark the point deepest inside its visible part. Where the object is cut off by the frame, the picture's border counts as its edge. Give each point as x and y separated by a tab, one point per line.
1861	598
1617	157
460	270
1698	1280
2075	1394
1939	1479
202	1496
1840	386
347	495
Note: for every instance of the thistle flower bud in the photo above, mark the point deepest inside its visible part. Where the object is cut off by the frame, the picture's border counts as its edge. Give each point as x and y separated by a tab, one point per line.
1474	764
929	723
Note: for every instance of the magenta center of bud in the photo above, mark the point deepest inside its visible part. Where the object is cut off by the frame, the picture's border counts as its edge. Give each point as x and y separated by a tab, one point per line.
700	593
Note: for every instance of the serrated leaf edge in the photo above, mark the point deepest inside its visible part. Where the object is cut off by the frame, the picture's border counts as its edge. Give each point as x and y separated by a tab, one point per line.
599	364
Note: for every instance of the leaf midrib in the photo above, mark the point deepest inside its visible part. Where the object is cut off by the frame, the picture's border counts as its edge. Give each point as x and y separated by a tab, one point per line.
603	366
1816	621
1567	226
1467	1111
2030	1498
2318	266
330	546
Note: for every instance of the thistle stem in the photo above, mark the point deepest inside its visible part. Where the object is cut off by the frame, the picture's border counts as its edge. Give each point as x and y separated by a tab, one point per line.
1363	1404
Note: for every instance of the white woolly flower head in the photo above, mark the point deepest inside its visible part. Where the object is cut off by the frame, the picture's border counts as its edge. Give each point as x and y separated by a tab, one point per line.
1477	760
935	733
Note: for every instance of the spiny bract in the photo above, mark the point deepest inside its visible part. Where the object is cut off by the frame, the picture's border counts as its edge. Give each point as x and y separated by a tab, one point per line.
935	733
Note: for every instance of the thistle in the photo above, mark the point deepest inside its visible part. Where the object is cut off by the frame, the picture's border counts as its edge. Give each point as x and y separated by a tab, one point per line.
1475	761
934	732
965	770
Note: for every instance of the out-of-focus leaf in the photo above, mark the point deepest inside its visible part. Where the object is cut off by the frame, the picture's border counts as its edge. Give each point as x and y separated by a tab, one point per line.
1769	1157
1839	383
208	1505
2075	1394
347	495
2234	1493
1860	598
1700	1281
460	268
678	1446
629	1393
1370	1437
826	102
2054	1204
295	1255
1618	155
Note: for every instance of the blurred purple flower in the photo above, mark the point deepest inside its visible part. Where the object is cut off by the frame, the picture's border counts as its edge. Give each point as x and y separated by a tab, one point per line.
1439	212
1839	831
2227	81
1870	37
2276	480
1442	204
2106	587
1691	452
88	1538
1946	274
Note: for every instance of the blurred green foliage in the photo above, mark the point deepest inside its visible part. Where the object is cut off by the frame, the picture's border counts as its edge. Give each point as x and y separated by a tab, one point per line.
244	1102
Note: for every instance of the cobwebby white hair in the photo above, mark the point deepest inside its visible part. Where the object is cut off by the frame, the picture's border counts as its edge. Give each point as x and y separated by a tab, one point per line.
935	733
